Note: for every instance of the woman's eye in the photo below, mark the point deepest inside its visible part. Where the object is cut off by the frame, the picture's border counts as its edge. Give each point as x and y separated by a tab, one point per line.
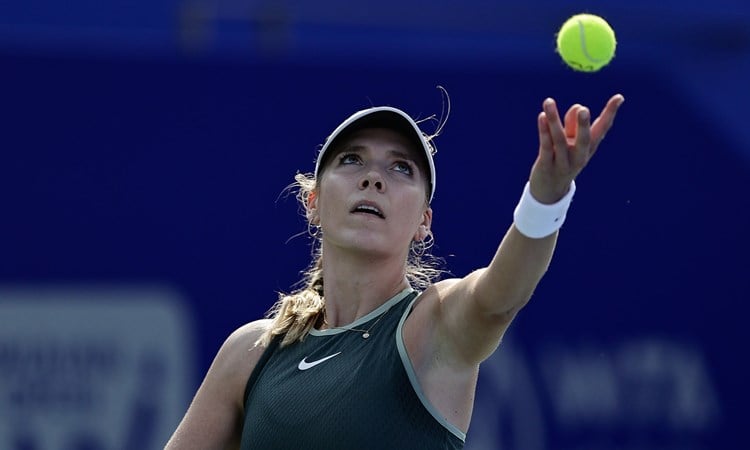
349	158
404	167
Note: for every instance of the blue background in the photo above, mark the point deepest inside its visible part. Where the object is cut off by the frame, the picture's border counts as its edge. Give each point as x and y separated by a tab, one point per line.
152	143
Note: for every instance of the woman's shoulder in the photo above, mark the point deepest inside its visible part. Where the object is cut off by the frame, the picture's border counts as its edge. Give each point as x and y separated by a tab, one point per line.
240	352
434	294
245	341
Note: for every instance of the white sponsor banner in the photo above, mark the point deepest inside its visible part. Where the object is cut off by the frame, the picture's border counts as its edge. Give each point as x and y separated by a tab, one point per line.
639	393
92	368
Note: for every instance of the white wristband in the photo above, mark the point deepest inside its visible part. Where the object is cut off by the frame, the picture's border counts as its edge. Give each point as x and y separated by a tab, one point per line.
537	220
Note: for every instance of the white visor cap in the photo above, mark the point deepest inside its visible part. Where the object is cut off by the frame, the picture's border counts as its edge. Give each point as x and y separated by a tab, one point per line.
382	117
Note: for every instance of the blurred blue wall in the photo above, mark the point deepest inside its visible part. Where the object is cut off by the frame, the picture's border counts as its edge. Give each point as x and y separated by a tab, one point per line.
146	149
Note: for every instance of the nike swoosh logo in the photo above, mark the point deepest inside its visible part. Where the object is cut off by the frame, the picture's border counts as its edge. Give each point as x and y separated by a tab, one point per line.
304	365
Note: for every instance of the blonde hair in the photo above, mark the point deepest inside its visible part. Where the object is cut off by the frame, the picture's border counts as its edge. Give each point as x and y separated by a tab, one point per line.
295	314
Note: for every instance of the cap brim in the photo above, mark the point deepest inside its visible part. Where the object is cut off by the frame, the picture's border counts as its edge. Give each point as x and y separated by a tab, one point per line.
381	117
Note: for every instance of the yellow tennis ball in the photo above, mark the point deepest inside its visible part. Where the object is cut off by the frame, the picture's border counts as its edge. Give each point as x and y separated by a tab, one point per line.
586	42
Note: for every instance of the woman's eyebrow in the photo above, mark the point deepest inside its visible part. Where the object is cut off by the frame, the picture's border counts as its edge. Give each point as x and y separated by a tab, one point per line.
356	148
353	148
402	155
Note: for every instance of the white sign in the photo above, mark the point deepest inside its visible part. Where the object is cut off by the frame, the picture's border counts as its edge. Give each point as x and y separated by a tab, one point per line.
650	392
92	368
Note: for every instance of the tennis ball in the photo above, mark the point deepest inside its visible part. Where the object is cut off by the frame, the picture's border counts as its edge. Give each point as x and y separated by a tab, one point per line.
586	42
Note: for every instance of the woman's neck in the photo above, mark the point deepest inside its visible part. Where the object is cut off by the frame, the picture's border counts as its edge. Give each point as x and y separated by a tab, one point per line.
355	286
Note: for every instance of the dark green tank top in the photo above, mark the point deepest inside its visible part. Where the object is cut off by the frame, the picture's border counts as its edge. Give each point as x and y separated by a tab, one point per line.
338	390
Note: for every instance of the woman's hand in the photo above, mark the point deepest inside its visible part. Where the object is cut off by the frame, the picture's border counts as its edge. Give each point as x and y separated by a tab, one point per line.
565	149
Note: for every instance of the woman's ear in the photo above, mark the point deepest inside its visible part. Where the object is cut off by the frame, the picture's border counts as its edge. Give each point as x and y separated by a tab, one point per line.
312	208
423	230
421	233
427	218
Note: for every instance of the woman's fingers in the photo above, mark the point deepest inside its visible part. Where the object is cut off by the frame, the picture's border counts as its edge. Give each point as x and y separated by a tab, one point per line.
546	152
571	121
581	150
566	148
557	134
604	122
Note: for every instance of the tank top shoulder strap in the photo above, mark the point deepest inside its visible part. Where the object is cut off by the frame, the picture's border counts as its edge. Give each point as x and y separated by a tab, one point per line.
272	346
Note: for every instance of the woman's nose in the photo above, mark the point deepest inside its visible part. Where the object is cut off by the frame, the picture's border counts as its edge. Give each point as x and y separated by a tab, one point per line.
372	178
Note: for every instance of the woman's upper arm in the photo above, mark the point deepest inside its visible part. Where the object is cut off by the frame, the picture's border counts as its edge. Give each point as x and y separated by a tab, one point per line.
451	323
214	418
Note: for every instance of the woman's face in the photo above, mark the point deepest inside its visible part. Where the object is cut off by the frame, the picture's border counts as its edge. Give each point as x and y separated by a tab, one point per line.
372	194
